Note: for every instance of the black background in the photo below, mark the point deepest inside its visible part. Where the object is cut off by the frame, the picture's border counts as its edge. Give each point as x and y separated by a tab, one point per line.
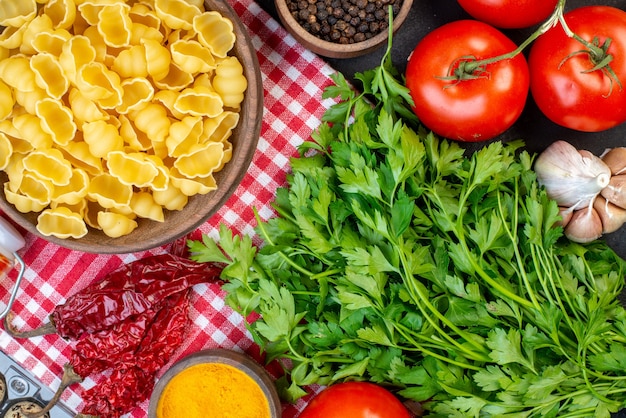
534	128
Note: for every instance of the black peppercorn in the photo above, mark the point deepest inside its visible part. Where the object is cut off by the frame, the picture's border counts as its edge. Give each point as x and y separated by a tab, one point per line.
343	21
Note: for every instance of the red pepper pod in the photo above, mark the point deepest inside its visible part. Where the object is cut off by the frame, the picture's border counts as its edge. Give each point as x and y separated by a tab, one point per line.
123	294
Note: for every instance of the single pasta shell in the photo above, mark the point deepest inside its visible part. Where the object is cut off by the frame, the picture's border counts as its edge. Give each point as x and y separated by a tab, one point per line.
215	32
17	13
61	222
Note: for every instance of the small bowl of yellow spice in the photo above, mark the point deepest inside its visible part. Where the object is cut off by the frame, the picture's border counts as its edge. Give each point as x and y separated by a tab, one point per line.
215	383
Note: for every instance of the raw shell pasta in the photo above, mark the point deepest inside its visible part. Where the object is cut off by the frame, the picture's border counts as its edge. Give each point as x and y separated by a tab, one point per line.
102	138
167	98
171	198
79	155
23	203
41	23
131	62
6	150
161	180
112	110
29	99
84	109
75	191
17	13
100	84
31	130
133	169
221	127
192	186
15	71
135	138
57	120
230	82
115	224
7	100
152	120
201	160
36	189
49	164
114	24
11	37
184	135
62	223
144	206
215	32
158	59
61	12
51	42
140	31
192	57
77	52
199	101
176	14
109	192
49	75
176	79
136	92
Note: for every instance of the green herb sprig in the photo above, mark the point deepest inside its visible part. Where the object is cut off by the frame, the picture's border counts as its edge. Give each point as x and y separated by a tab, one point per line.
396	258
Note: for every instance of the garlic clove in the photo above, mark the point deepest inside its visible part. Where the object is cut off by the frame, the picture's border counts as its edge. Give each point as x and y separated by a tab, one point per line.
615	158
566	216
615	191
571	177
611	216
585	226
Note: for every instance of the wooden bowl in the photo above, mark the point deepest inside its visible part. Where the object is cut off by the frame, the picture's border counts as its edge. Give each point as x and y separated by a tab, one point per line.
150	234
332	49
240	361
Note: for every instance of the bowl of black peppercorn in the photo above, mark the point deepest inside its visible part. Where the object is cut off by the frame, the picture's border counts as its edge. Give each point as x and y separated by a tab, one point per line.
341	28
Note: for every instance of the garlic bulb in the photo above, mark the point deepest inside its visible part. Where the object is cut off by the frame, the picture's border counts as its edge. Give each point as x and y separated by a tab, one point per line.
571	177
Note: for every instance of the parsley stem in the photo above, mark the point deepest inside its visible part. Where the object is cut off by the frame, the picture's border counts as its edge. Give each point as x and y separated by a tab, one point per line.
421	300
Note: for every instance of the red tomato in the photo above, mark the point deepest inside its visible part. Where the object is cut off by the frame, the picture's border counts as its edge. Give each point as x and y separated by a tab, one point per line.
509	13
469	110
355	400
565	89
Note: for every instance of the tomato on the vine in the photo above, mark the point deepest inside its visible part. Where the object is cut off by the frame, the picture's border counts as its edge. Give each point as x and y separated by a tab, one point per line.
564	83
474	109
355	400
509	14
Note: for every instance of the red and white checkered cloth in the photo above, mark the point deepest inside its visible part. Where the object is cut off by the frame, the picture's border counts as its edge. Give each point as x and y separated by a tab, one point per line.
293	80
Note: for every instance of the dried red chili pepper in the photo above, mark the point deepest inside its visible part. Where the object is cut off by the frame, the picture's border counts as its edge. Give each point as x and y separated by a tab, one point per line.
146	315
133	381
128	291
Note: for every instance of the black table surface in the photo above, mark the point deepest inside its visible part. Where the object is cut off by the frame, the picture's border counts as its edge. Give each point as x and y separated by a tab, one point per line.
534	128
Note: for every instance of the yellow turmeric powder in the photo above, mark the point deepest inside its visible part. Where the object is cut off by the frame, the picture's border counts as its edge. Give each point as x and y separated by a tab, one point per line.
213	390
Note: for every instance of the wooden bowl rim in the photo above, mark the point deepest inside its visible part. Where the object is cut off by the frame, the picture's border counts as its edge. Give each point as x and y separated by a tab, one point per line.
228	179
241	361
333	49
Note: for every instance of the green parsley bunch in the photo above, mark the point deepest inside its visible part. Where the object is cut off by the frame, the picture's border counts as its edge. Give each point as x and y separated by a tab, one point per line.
397	258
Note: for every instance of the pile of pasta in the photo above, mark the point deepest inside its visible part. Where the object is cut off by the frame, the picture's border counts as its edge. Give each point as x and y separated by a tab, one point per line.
113	110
